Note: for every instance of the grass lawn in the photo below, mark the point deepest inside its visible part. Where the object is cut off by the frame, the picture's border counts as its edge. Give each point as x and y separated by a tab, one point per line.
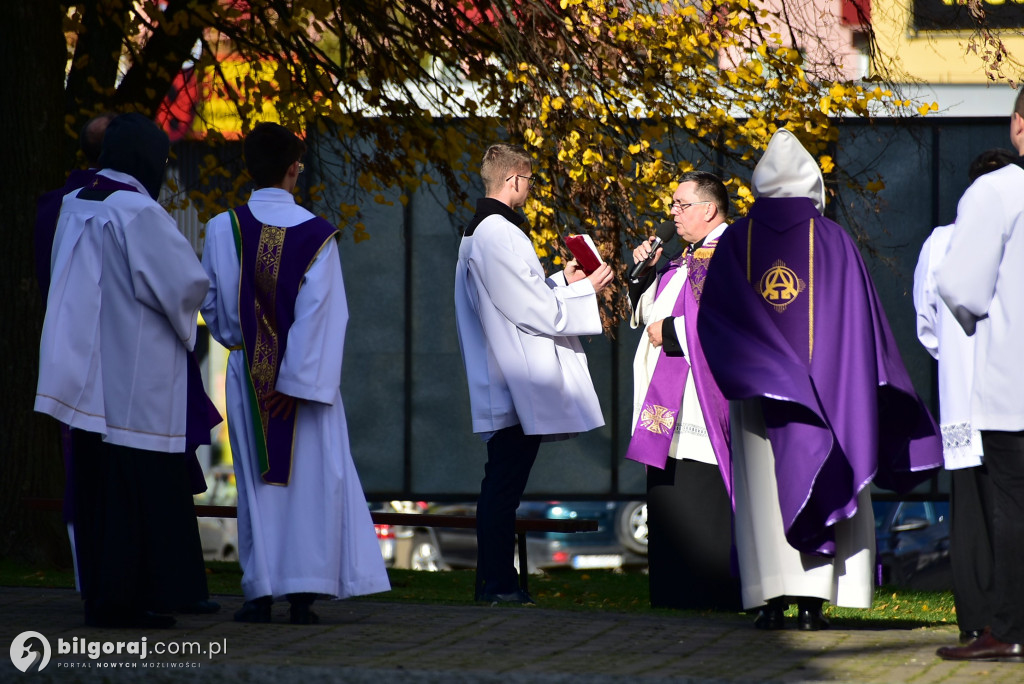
894	607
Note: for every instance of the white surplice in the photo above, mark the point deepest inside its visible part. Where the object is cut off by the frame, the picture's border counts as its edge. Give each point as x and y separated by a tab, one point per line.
518	334
314	535
120	320
945	340
982	283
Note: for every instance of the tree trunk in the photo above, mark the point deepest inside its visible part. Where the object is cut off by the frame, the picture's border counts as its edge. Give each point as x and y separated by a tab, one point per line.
33	53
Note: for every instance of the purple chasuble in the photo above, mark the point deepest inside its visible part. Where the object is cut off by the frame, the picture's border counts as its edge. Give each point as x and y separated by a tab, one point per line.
274	262
789	314
652	435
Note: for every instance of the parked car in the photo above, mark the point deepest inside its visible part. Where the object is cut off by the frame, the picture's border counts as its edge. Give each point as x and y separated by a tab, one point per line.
219	536
620	540
912	540
405	546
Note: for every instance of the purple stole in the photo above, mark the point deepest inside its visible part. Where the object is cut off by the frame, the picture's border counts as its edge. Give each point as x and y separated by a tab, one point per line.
273	262
652	436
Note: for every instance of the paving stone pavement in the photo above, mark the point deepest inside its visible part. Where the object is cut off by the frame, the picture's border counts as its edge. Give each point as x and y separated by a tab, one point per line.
380	641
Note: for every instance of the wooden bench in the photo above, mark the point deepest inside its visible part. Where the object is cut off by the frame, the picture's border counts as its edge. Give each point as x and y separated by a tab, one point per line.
523	525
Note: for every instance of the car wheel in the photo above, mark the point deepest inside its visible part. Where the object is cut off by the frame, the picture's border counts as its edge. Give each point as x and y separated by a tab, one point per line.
631	527
424	554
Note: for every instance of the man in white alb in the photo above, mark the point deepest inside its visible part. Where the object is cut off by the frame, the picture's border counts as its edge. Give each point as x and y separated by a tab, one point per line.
970	524
304	529
527	372
981	280
121	320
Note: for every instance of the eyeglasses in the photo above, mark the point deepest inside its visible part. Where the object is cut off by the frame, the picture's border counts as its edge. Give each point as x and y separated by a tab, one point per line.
302	167
679	206
532	180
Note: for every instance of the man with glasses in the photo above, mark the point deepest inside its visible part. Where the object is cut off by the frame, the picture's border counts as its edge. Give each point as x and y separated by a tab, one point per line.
680	419
527	373
277	301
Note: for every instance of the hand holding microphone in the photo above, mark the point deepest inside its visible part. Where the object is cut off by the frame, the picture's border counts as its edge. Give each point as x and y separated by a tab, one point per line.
647	254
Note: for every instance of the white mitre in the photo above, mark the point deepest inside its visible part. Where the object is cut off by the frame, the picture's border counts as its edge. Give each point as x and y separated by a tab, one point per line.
788	170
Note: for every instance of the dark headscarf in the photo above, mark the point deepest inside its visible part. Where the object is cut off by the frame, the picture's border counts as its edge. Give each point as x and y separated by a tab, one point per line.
136	146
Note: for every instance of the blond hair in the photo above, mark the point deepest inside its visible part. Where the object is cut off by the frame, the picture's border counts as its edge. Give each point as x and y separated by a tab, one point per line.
501	161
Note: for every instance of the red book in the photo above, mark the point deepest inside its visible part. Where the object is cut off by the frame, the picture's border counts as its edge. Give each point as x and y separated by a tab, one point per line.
585	252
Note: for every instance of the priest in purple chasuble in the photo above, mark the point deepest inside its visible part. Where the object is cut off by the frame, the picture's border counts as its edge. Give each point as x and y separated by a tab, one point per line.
680	418
820	402
277	301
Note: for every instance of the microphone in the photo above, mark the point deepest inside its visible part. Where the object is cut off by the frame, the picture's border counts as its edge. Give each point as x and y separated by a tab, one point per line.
664	233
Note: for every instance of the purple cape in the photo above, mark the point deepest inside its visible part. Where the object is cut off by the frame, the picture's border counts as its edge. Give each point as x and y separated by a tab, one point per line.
670	374
274	262
789	314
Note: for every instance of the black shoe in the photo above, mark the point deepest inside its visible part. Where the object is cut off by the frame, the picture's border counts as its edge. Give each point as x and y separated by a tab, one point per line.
770	617
200	608
257	610
811	619
513	597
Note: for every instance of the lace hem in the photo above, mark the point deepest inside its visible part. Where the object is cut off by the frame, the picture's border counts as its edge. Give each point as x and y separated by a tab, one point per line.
956	436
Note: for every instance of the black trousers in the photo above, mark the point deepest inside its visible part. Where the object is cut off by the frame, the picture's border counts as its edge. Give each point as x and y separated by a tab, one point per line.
971	553
1004	456
510	456
689	523
135	529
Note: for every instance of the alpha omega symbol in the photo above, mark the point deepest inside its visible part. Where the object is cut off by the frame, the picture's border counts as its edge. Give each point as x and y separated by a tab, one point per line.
657	419
780	286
